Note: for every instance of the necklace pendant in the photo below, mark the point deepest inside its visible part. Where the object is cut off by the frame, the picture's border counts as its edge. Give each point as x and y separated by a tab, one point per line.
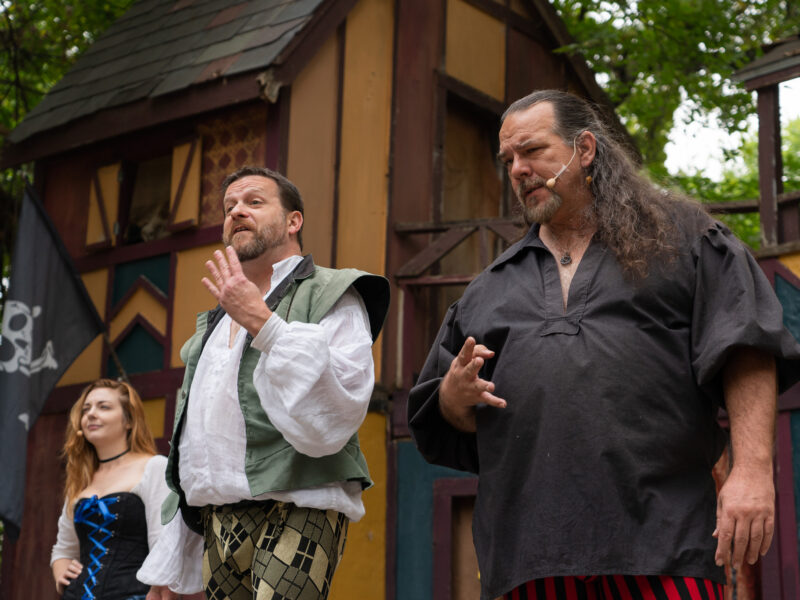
565	259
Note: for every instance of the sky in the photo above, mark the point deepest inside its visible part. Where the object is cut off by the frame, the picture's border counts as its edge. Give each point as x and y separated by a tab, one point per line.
699	146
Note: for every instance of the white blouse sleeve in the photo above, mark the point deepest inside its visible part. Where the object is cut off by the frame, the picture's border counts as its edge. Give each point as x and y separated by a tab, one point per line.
176	553
315	381
152	489
67	544
175	560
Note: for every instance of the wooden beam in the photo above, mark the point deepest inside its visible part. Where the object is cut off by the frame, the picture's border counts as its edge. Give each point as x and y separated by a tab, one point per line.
768	174
439	248
772	79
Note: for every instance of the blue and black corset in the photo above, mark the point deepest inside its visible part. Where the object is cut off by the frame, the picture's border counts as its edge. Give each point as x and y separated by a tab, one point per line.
112	531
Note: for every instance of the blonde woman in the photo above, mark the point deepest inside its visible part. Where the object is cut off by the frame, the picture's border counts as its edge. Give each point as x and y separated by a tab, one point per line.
113	493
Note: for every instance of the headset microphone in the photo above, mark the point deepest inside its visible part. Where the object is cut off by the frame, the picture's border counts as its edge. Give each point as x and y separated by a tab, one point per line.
551	183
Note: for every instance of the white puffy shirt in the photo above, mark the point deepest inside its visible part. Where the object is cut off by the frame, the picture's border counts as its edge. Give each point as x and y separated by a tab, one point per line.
314	381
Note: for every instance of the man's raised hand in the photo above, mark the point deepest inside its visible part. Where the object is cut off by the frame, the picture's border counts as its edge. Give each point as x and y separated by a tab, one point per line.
236	294
461	389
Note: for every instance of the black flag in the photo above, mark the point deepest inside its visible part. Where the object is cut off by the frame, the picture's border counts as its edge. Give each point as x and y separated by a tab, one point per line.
48	320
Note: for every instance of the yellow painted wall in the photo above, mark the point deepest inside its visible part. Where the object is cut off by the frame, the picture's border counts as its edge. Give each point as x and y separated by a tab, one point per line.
189	204
141	302
108	178
312	147
366	117
476	48
191	296
362	572
154	415
792	262
87	366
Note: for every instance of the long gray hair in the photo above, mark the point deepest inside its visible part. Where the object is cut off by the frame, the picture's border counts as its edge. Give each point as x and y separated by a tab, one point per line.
634	218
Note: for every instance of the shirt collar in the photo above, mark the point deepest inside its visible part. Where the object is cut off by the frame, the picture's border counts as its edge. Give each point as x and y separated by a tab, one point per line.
531	240
281	269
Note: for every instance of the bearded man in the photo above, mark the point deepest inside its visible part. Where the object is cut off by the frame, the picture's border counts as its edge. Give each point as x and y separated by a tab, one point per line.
580	376
265	462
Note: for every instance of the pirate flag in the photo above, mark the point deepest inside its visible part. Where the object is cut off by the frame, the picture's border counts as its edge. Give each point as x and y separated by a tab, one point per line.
48	320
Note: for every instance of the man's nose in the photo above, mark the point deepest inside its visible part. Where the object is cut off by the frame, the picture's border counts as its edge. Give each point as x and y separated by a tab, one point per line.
520	168
238	211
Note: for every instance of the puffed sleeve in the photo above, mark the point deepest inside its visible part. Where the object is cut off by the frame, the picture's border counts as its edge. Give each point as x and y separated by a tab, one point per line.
152	489
314	381
438	441
176	553
735	306
67	544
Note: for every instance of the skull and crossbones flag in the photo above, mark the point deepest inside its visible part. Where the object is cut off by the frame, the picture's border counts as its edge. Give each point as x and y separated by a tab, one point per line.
48	319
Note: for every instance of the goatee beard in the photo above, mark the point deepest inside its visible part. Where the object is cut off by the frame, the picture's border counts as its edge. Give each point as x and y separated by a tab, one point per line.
264	239
538	213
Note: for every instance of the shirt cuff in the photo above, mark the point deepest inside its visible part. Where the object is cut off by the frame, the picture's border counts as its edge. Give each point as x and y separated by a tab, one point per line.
269	333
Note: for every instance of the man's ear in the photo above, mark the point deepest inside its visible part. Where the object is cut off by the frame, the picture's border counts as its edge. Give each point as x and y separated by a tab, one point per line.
587	147
294	221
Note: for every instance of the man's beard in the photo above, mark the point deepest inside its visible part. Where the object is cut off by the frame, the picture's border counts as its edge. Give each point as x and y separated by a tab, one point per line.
266	238
540	212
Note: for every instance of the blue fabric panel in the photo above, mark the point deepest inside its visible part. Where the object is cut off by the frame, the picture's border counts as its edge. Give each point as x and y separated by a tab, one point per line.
415	479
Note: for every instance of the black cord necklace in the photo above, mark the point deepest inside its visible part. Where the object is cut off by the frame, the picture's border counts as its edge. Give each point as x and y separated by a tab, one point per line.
105	460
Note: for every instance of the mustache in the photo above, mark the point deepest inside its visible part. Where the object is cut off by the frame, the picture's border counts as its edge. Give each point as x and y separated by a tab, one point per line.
528	184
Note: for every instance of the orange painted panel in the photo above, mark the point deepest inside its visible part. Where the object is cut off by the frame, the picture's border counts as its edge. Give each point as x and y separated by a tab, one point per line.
191	296
312	147
366	119
108	178
87	366
476	48
189	202
362	572
141	302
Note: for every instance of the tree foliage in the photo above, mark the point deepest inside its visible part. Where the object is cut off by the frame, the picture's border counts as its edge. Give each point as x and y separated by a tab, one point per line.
39	41
652	55
739	181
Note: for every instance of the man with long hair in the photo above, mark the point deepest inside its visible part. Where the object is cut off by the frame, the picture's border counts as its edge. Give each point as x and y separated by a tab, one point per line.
580	376
265	462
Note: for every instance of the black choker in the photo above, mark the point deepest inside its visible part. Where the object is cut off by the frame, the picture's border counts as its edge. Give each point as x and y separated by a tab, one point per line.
105	460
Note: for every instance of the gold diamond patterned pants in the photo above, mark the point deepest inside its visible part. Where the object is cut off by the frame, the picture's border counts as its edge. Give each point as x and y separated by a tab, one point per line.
271	551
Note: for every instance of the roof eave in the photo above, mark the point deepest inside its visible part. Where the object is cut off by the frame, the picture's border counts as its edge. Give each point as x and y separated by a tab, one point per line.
197	99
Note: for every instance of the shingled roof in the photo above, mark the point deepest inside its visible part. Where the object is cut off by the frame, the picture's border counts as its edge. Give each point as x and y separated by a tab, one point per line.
162	47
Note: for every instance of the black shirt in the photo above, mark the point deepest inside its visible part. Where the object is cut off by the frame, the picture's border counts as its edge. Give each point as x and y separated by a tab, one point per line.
601	462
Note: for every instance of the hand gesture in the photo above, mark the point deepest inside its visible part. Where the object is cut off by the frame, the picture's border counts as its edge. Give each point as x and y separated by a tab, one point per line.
462	389
239	296
745	516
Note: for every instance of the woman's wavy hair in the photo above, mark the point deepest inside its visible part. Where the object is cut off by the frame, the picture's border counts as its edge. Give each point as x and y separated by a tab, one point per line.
80	455
634	217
